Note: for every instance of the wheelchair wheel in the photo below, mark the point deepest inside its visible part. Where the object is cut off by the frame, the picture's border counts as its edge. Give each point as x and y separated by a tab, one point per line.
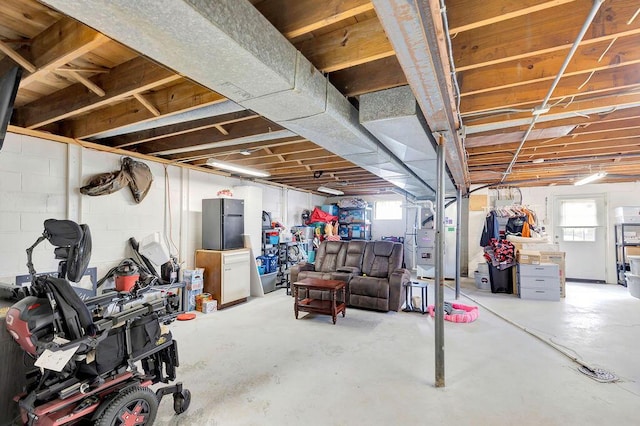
135	406
181	401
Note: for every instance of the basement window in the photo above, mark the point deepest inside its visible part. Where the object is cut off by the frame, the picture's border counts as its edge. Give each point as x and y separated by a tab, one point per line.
388	210
579	219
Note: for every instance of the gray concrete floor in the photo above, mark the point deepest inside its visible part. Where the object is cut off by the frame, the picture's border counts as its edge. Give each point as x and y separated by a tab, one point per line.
254	364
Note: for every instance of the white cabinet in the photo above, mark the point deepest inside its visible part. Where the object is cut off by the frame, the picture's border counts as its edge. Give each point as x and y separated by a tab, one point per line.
226	275
541	282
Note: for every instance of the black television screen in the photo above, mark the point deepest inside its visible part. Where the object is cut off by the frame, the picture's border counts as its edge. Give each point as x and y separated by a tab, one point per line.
9	83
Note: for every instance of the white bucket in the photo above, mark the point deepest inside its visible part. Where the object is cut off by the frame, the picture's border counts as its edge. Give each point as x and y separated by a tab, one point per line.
634	263
483	268
483	281
633	284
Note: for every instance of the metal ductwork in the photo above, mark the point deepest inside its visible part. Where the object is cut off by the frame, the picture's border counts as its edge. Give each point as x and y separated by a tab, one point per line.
394	117
229	47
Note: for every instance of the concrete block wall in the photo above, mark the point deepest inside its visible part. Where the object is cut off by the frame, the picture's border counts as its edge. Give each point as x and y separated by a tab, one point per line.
40	179
32	189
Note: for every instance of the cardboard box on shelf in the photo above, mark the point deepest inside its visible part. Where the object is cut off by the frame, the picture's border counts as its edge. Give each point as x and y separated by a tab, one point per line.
632	251
529	257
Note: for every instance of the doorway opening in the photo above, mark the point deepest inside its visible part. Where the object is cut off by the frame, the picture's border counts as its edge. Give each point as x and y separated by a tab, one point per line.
582	234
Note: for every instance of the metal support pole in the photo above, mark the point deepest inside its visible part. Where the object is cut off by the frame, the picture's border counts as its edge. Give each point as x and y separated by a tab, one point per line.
458	240
439	255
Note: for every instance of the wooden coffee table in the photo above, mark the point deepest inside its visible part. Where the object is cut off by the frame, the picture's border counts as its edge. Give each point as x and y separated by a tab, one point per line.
325	307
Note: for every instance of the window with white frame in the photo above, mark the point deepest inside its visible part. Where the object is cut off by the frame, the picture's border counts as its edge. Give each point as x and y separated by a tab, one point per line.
388	210
578	219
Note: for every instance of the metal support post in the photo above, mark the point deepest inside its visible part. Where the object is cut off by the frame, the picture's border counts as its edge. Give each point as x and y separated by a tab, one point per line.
458	240
439	255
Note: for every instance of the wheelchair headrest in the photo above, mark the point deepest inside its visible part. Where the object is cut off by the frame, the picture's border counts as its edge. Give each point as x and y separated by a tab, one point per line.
75	241
62	233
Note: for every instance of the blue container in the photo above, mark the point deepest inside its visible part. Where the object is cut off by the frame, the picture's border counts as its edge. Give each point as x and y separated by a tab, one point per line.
261	269
311	256
272	262
273	239
264	262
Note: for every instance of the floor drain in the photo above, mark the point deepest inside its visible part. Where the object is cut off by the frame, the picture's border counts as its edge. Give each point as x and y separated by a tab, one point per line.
602	376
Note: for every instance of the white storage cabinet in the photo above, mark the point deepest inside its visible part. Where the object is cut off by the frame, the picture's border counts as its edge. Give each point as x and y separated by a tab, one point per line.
539	282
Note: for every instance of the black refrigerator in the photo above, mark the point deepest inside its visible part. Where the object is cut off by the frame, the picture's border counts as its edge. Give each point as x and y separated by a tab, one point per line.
222	224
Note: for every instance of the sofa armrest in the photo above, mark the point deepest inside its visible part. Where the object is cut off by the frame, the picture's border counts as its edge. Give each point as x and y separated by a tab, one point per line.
397	280
299	267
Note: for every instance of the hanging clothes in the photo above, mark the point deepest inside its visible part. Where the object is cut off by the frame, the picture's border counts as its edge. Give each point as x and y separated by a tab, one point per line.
491	229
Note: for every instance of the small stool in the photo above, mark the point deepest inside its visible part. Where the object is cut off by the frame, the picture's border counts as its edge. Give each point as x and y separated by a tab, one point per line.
408	297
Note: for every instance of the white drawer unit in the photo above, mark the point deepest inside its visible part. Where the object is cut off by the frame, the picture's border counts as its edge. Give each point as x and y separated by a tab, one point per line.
539	282
542	270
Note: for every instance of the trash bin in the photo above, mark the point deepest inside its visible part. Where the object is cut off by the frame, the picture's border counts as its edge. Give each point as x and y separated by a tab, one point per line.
501	280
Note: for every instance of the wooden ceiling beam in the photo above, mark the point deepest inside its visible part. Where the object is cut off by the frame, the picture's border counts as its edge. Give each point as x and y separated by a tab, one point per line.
604	81
380	74
135	76
607	119
60	44
254	126
148	135
333	166
496	160
181	97
269	153
300	17
200	156
605	137
538	68
27	19
340	174
542	32
606	102
17	57
465	15
354	45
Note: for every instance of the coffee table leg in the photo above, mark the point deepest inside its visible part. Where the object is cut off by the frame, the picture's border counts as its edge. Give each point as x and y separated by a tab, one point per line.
344	298
295	300
334	297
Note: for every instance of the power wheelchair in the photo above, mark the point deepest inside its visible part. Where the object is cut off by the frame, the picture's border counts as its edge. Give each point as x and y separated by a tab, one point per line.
94	360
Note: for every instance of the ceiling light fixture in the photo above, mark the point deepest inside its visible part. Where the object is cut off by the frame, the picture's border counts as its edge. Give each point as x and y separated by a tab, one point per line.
591	178
245	152
331	191
235	168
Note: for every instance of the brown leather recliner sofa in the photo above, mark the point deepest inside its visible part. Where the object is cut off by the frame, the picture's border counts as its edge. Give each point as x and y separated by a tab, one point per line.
372	270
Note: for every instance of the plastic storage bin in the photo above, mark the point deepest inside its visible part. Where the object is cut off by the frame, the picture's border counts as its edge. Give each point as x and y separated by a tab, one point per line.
633	284
153	248
483	280
311	256
501	280
634	264
268	281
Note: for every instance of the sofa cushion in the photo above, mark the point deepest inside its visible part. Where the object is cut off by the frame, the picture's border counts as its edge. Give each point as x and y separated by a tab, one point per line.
381	258
354	255
369	293
330	256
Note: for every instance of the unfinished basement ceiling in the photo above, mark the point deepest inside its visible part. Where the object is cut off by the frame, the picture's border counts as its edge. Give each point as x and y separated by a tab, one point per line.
120	77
